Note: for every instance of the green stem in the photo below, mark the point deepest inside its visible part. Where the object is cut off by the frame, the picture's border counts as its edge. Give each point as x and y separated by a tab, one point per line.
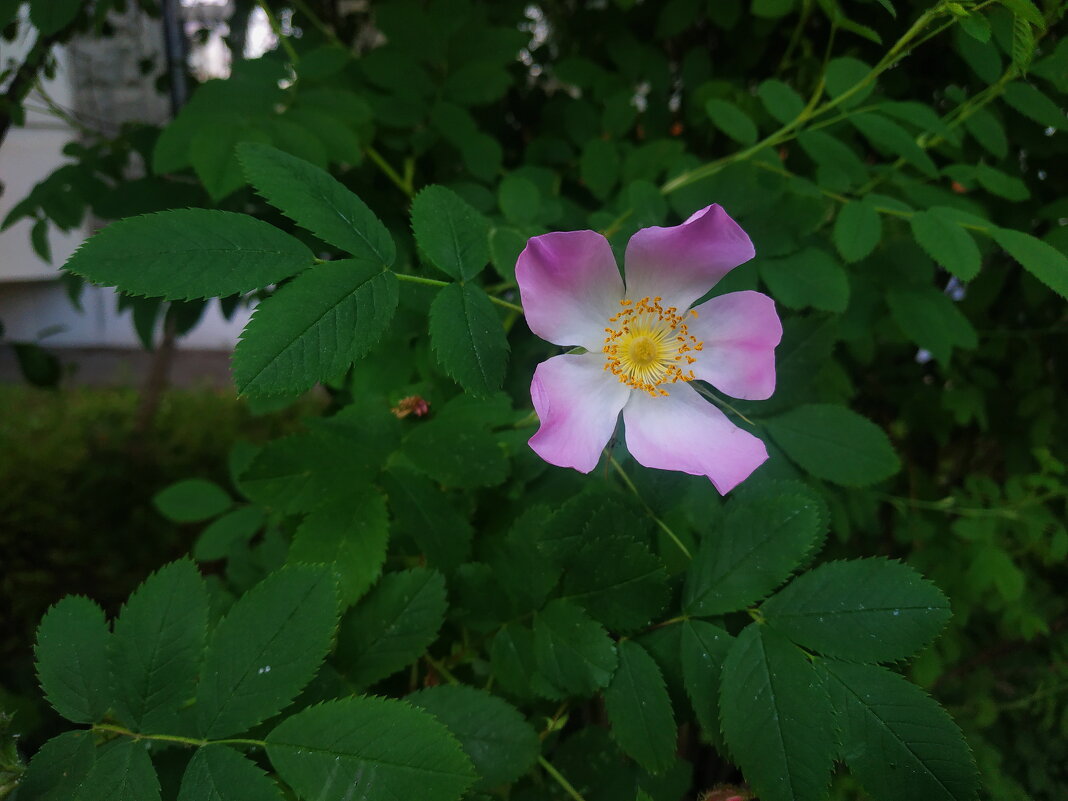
948	505
389	172
440	668
418	279
173	738
326	30
61	113
795	38
531	419
648	509
559	778
276	27
669	622
790	129
718	401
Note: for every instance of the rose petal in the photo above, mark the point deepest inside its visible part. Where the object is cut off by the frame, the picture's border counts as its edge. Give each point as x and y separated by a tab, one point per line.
570	286
578	402
740	331
680	264
684	432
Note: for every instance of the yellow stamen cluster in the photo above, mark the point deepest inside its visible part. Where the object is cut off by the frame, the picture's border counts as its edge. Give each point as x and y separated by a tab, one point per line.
648	346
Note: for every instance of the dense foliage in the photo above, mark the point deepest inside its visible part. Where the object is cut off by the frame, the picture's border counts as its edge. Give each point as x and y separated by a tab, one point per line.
403	600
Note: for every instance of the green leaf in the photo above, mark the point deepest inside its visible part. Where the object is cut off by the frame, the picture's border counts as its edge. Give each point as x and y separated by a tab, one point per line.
369	749
931	320
756	547
505	246
834	443
266	649
318	202
1043	261
599	167
219	773
777	717
526	574
618	580
1006	186
59	767
1032	103
1027	10
157	645
867	610
946	242
212	153
468	338
896	740
477	83
455	455
833	156
702	651
512	659
122	772
572	651
639	709
976	26
301	472
51	16
314	328
810	277
843	74
192	500
391	627
988	132
342	143
216	540
350	534
922	116
732	121
888	136
424	513
71	656
519	199
782	101
494	735
772	8
1023	44
189	253
889	7
857	230
677	16
454	237
297	140
40	242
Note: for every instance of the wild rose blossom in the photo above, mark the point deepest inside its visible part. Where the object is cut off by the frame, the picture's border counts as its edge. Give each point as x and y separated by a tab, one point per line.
645	344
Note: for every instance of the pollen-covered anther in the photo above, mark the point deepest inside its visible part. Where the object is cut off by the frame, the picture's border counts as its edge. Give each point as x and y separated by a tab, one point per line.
645	343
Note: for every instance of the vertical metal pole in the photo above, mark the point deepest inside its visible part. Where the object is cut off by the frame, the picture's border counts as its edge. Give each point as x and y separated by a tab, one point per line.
174	45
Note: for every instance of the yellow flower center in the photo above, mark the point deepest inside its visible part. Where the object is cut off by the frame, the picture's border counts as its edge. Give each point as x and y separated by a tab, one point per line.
648	345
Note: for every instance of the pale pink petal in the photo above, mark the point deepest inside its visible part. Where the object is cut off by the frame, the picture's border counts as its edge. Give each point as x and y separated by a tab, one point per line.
681	263
578	402
740	331
570	286
685	432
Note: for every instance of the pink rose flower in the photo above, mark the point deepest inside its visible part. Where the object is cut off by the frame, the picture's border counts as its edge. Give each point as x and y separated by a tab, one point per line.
645	345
